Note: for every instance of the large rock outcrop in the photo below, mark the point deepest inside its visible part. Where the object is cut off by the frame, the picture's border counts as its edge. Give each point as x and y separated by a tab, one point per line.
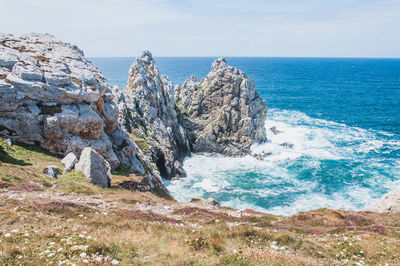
223	113
52	96
147	113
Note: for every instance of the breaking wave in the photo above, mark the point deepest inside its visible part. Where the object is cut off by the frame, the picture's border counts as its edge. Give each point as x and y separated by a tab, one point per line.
329	165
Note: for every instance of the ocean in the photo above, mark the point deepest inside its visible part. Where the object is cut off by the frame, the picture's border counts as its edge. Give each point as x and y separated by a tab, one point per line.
341	114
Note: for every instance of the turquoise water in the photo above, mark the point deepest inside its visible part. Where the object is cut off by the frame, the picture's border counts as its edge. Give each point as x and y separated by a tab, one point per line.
342	115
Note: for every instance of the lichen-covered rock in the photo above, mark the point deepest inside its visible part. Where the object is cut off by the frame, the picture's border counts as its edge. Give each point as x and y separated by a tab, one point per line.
147	113
95	167
223	113
389	203
52	96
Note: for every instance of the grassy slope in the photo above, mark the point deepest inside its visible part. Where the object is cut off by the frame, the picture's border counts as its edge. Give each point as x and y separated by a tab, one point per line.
68	220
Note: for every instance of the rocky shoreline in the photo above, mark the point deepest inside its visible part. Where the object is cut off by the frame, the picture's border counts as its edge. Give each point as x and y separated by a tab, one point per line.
53	97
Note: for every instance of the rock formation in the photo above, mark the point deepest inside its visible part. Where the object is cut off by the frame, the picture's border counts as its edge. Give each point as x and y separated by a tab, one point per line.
147	112
390	203
222	113
53	97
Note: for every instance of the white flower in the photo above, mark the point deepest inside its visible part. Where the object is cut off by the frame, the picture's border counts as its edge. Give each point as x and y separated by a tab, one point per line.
26	234
7	235
114	262
83	255
81	236
58	250
234	251
85	261
15	231
20	257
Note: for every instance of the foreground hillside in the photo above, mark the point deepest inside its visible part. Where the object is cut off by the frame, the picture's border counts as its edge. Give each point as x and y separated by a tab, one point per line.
68	221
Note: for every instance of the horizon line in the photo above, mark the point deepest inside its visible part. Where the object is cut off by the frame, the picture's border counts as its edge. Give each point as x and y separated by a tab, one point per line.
209	56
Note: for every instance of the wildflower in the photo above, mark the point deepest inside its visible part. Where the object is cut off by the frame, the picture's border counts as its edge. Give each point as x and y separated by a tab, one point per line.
234	251
26	234
81	236
85	261
7	235
114	262
20	257
15	231
83	255
58	250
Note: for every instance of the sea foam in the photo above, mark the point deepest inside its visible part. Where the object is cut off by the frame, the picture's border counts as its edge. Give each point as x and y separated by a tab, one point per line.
330	165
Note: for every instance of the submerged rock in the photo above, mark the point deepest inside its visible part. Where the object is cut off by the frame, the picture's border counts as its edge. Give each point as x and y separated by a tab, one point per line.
223	113
390	203
287	145
275	131
261	156
95	167
52	171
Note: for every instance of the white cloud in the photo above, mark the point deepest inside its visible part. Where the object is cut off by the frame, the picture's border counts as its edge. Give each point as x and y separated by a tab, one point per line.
359	28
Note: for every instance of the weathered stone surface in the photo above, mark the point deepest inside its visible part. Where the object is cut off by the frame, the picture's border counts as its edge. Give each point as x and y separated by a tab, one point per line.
52	96
52	171
147	113
69	161
222	113
390	203
49	96
95	167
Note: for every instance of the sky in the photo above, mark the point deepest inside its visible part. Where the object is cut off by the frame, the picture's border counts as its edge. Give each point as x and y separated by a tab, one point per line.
289	28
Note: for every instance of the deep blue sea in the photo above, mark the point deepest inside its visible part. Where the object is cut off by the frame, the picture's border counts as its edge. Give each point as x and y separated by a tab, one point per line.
342	115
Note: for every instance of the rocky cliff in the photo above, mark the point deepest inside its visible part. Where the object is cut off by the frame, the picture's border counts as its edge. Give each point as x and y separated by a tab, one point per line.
147	113
53	97
223	113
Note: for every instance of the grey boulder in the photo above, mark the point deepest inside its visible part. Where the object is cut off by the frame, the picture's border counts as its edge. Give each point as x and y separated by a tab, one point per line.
52	171
69	161
93	166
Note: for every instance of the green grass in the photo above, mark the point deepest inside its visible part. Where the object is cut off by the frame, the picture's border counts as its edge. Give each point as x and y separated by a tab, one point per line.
141	142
